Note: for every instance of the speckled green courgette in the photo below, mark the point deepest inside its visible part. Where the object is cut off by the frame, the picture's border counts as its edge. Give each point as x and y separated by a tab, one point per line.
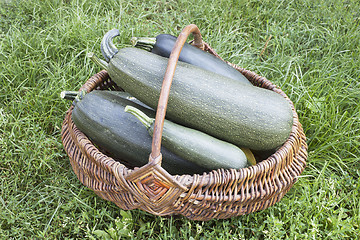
164	43
193	145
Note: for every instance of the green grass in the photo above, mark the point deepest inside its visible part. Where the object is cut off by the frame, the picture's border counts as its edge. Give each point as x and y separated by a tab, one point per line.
313	55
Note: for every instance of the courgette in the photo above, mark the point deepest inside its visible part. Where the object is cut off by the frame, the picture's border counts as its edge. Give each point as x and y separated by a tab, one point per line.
163	44
100	116
227	109
193	145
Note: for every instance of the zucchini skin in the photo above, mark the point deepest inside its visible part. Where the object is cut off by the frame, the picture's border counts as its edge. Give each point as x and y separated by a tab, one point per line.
201	148
238	113
100	116
194	145
195	56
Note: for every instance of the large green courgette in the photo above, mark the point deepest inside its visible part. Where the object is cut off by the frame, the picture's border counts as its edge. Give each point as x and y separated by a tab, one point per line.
100	116
244	115
193	145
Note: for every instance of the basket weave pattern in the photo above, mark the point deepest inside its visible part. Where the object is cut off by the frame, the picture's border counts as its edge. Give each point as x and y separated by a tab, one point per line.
217	194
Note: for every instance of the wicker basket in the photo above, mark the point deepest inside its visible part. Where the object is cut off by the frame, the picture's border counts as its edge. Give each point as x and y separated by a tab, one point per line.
217	194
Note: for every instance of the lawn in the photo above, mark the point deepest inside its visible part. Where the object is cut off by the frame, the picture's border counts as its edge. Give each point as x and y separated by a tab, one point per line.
312	53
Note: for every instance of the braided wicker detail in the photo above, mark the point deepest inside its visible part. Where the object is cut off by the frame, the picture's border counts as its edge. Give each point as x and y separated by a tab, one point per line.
219	194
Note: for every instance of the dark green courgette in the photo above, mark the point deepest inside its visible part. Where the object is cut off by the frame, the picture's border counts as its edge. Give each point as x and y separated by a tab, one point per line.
163	44
227	109
193	145
100	116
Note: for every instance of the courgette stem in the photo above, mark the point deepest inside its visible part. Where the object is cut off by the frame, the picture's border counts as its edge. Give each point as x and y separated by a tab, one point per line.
143	42
73	95
143	118
144	47
101	63
107	47
69	95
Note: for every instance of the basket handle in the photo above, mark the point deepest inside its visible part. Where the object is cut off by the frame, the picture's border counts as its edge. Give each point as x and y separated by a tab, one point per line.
165	89
152	176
